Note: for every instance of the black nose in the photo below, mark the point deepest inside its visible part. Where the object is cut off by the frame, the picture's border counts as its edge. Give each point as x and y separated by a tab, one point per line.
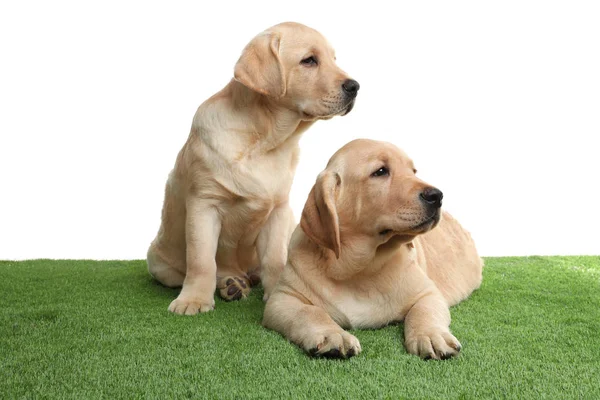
432	196
351	87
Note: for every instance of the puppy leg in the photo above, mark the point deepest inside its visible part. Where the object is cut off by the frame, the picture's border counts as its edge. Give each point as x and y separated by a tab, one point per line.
203	226
426	329
309	327
272	244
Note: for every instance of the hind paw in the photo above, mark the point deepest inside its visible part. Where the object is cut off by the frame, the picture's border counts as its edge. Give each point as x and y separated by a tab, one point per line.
233	287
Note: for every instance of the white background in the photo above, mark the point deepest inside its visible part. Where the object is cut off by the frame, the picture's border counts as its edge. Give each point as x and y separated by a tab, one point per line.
498	103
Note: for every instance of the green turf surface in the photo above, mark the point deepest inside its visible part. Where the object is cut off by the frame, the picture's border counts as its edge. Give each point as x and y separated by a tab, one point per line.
89	329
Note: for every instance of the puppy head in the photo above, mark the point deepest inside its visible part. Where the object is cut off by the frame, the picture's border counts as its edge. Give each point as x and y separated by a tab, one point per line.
295	65
369	189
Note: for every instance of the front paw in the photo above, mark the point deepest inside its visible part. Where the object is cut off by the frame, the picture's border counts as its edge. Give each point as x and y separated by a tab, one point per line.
437	345
191	306
333	344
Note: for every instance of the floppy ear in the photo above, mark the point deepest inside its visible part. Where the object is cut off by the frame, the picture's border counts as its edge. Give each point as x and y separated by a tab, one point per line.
259	67
319	218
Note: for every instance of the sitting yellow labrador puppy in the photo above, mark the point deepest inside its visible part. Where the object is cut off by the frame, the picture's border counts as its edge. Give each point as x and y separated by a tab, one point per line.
226	221
366	254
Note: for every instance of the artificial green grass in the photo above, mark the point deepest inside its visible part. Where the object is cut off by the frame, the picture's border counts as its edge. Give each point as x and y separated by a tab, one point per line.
89	329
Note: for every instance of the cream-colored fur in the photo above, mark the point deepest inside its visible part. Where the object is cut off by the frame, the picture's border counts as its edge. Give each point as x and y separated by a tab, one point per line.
365	254
226	212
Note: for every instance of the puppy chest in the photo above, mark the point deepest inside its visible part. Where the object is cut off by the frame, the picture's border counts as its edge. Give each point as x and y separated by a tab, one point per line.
363	311
266	178
243	219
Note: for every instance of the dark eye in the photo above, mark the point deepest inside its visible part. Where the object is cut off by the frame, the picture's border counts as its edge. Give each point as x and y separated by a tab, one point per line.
383	171
309	61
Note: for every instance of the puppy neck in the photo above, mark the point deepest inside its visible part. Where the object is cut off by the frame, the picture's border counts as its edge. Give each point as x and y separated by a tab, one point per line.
395	243
271	120
364	256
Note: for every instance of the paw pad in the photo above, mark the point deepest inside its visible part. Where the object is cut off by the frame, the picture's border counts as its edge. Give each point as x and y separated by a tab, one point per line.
233	288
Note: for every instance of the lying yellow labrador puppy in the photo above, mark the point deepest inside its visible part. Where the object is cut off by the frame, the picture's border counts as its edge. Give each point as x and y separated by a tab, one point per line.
366	254
226	221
